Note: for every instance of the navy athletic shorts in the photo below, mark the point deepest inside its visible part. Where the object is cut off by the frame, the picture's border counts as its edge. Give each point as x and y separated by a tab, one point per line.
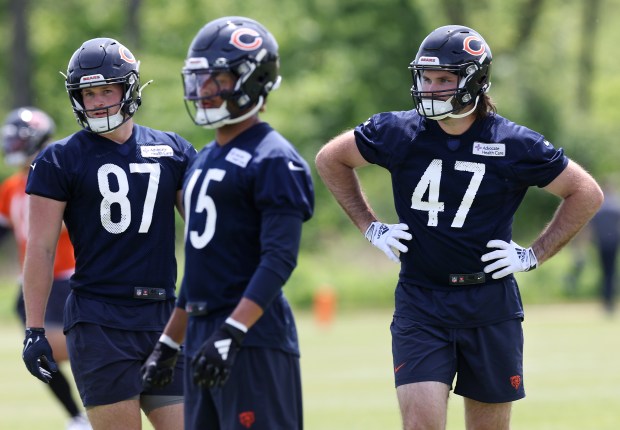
487	361
54	313
263	392
106	364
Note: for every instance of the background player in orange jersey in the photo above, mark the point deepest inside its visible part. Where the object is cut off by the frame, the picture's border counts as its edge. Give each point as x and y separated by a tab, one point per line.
26	130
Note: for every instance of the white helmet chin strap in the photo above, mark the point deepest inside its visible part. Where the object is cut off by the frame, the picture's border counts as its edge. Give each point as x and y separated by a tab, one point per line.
211	118
436	109
218	117
107	124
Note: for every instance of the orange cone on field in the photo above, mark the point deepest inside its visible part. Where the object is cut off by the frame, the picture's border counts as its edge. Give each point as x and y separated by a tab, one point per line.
324	305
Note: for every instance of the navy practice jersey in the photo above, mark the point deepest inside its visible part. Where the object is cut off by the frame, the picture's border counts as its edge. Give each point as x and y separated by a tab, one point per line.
120	207
455	193
228	191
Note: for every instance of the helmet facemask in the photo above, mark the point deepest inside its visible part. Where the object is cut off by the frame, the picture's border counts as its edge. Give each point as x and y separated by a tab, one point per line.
438	105
129	103
238	103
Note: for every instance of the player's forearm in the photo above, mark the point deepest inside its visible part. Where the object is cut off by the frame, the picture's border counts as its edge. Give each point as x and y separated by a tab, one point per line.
175	328
336	163
247	312
38	277
343	183
573	213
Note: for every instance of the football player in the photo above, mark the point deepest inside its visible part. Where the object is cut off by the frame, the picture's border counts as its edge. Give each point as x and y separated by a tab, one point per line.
25	131
459	172
115	184
246	196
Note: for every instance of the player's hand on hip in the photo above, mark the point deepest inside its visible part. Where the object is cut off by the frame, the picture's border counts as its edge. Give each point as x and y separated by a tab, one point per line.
212	364
508	258
387	238
158	369
37	354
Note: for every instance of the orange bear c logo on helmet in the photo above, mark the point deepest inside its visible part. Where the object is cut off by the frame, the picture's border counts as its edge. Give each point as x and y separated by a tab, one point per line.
468	48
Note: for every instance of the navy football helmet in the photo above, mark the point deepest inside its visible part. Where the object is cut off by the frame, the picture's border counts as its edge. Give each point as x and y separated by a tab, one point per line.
242	47
459	50
25	131
103	61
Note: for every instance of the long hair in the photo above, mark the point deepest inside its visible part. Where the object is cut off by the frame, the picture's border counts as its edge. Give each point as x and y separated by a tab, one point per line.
485	106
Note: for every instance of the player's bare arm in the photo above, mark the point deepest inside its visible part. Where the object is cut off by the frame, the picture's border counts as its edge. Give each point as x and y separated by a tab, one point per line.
581	198
247	312
44	228
175	328
336	163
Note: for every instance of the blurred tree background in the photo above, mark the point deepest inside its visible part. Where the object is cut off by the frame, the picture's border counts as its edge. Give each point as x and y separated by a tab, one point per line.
342	61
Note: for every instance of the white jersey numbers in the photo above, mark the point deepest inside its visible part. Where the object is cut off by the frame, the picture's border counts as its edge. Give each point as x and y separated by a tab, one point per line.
120	198
477	170
431	180
203	203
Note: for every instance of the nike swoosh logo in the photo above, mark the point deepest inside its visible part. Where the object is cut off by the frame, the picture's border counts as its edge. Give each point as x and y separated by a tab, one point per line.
28	342
397	368
293	167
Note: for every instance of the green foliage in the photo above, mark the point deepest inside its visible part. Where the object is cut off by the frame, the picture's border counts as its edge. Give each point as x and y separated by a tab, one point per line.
341	62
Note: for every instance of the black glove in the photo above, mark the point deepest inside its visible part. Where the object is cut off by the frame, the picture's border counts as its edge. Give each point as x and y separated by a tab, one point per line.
37	354
158	369
211	365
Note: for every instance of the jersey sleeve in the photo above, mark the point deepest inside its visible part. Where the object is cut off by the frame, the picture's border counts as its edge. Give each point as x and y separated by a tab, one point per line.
541	163
285	198
383	137
369	142
48	176
284	185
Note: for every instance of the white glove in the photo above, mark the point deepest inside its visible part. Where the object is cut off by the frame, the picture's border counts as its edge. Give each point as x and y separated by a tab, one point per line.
387	236
509	257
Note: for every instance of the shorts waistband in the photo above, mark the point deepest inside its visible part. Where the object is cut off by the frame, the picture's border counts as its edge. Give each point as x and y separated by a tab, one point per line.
149	293
457	279
126	293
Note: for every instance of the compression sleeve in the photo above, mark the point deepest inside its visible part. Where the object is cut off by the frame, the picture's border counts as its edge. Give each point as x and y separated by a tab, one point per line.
280	238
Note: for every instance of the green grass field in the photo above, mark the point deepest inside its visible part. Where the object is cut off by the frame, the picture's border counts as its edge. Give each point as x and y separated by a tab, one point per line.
572	374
